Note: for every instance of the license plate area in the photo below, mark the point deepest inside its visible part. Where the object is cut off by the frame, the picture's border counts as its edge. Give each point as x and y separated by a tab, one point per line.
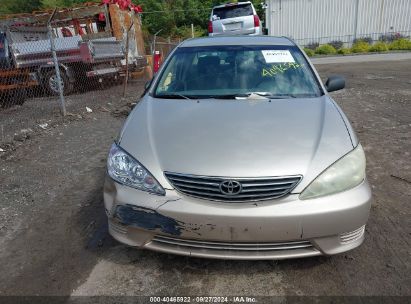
232	26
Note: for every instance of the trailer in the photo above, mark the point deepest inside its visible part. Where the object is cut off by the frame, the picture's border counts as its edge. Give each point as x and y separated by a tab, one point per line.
89	43
14	82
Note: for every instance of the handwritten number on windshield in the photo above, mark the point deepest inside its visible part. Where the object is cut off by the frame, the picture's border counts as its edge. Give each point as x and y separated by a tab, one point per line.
280	69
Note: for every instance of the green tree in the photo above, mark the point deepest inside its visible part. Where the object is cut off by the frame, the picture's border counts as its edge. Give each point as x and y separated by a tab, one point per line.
173	17
19	6
60	3
54	3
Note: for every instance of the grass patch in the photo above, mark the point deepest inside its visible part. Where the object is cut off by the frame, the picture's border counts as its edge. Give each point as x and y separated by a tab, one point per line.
379	47
400	44
344	51
309	52
360	47
326	49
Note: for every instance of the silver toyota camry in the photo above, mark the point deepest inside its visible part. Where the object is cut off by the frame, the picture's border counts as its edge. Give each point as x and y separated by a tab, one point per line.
237	151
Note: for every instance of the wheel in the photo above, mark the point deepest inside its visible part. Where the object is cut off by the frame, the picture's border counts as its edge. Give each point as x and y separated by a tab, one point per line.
51	85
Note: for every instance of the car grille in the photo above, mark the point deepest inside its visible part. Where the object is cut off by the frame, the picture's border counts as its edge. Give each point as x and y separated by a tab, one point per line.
251	189
233	246
233	250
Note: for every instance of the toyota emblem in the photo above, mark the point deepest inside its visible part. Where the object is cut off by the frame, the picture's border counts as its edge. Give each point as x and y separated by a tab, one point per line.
230	187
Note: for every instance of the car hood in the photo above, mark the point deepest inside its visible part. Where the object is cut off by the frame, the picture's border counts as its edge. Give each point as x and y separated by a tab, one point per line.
237	138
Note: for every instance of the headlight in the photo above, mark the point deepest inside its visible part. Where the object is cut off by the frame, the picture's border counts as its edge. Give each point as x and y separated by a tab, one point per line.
344	174
124	169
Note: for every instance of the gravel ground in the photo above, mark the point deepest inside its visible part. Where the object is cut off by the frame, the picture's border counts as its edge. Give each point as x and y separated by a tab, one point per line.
53	232
37	114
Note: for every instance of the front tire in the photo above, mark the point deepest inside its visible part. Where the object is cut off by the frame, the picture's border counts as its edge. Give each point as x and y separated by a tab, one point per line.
51	84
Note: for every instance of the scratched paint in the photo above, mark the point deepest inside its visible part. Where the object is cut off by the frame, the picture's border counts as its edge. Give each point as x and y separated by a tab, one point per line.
148	219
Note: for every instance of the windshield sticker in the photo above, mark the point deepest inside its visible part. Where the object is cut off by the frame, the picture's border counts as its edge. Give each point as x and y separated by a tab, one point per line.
279	69
277	56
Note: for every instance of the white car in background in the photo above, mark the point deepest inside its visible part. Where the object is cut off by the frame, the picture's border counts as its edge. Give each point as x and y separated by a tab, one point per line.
234	19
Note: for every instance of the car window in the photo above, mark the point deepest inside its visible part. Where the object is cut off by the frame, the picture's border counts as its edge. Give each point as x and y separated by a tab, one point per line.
218	71
232	11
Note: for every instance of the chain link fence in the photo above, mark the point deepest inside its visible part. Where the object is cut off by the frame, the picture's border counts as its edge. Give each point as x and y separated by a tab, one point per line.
66	65
165	45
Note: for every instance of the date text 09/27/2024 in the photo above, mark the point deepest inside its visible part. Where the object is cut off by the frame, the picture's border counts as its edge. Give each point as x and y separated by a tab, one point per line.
201	299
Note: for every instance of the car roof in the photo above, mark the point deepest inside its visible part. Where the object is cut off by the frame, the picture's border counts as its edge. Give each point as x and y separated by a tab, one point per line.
237	40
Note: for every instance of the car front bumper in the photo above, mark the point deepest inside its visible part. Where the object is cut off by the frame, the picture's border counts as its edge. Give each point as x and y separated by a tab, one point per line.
275	229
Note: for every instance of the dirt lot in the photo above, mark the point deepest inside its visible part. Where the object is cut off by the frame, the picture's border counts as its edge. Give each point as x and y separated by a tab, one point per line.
53	233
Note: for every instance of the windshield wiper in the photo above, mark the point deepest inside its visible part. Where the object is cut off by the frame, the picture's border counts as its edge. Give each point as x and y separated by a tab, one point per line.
248	95
174	96
229	96
283	96
253	95
272	96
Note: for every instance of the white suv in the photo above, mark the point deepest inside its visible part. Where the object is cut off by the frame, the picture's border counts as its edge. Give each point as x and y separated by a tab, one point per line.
234	19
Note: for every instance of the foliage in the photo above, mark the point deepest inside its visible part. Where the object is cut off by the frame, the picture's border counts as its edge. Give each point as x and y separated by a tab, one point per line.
58	3
172	17
379	47
177	15
312	45
185	32
360	47
367	40
400	44
337	44
28	6
309	52
344	51
19	6
326	49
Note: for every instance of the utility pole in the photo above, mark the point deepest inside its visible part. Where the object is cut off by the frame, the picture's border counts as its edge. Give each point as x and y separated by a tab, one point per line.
56	64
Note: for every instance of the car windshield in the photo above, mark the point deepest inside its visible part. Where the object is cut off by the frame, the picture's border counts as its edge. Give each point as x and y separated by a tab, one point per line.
237	71
232	11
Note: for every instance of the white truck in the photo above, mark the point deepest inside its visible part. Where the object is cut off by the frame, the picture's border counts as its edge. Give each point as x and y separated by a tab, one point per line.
85	47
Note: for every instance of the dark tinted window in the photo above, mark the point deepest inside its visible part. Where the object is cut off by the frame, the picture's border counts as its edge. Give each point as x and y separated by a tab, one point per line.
232	11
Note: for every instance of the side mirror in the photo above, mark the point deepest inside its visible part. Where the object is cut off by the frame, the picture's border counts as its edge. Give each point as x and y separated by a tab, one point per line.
335	83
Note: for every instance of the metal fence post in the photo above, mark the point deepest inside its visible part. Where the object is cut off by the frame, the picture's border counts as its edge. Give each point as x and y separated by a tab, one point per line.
56	65
127	47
